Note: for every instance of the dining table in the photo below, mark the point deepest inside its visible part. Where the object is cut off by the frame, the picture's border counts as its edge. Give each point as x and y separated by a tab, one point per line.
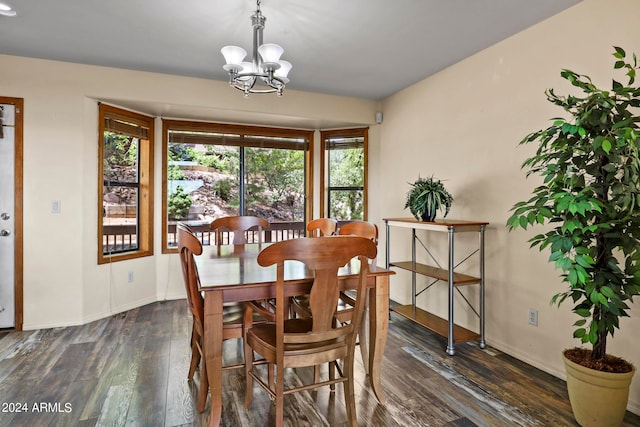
231	273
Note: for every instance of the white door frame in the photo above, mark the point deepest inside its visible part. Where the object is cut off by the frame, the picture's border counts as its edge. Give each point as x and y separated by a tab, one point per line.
18	198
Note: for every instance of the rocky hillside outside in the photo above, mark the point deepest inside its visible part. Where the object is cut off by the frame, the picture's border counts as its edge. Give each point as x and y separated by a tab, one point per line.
216	197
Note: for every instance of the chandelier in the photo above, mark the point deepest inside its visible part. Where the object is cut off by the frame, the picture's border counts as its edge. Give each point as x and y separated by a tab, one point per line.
266	73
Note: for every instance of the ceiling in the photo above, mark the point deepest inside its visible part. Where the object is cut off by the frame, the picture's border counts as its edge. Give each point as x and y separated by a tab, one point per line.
361	48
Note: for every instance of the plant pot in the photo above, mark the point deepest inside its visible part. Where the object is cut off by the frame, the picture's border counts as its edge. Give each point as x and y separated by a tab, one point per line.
598	399
428	216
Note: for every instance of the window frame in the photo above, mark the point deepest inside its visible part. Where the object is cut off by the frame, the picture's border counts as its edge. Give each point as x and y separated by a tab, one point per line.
324	176
145	183
236	129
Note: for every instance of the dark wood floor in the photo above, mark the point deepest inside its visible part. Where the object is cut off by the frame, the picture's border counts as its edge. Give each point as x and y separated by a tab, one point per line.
130	370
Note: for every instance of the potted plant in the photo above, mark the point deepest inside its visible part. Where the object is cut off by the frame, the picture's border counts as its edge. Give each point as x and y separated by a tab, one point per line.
426	196
590	199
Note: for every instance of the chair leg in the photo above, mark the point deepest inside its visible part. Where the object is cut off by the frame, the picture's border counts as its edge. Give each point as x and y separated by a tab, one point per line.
195	355
248	366
248	359
270	368
332	375
363	335
279	396
316	374
248	395
203	391
349	392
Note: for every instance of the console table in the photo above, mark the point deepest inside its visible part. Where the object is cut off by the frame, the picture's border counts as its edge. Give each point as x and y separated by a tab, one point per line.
444	327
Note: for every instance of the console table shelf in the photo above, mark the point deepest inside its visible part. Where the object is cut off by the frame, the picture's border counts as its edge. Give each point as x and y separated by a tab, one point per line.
434	323
459	279
444	327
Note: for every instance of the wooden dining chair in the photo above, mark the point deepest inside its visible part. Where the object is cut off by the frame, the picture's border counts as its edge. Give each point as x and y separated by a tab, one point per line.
364	229
239	225
369	231
261	309
320	227
300	303
303	342
234	314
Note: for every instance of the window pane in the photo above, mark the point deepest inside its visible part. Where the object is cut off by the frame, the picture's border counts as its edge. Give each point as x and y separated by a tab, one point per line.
202	184
346	204
120	194
274	184
346	167
120	219
120	158
344	184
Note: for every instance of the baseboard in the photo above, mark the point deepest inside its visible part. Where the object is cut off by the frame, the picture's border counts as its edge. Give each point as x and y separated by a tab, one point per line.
91	317
120	309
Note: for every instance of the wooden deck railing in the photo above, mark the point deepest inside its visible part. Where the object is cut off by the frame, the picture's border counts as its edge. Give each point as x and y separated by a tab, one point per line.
120	238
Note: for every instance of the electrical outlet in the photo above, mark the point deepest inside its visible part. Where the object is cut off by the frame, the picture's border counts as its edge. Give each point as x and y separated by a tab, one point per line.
533	317
130	277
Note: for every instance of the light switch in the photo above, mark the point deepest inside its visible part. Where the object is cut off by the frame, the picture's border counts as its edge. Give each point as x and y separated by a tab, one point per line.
55	206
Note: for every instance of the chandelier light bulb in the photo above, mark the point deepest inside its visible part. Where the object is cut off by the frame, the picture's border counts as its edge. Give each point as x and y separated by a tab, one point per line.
283	71
270	52
233	55
6	10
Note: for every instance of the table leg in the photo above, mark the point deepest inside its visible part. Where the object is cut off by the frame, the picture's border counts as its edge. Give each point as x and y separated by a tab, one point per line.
378	329
213	323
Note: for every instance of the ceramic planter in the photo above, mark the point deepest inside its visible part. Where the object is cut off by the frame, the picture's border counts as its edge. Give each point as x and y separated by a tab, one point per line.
598	399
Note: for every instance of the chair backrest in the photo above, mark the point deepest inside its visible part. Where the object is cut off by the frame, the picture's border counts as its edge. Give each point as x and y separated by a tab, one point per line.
320	227
360	228
323	257
188	247
238	225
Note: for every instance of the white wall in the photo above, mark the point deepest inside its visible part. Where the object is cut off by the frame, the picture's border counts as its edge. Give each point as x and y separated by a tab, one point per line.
463	125
63	284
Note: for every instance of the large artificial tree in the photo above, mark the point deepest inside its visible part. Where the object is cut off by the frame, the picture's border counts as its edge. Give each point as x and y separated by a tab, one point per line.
589	200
